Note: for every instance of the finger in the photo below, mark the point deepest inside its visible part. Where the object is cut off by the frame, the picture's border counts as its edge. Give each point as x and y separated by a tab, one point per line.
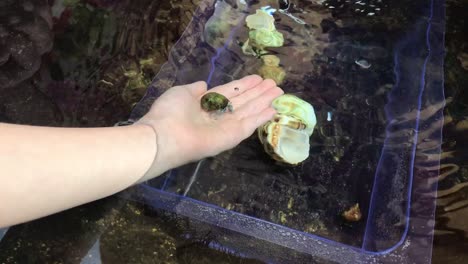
197	88
259	103
252	93
237	87
251	123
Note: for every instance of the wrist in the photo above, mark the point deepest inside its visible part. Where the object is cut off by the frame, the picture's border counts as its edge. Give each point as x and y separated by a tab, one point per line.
150	147
165	154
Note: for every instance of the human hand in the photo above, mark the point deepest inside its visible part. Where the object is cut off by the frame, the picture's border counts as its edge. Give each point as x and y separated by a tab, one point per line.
187	133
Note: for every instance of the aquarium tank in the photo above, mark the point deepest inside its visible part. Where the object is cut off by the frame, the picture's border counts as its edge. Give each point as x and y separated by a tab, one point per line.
347	170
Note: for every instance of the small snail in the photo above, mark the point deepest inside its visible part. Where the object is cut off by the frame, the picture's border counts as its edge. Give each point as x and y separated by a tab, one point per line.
215	102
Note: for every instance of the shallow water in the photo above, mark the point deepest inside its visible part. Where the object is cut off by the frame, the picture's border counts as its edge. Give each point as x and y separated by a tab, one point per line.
345	66
105	54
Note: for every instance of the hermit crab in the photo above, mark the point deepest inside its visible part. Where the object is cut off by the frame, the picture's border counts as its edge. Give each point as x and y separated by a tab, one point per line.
286	137
215	102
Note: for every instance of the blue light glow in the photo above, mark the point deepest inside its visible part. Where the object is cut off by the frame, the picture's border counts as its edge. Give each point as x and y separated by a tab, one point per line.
269	10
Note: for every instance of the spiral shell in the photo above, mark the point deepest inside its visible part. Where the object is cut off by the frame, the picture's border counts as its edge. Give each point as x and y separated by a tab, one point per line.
215	102
286	137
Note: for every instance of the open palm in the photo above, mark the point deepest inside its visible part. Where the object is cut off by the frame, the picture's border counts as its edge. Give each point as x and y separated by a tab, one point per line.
188	133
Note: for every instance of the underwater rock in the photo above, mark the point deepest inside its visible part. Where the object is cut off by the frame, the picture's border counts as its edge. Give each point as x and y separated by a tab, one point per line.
271	69
25	35
18	102
327	25
286	137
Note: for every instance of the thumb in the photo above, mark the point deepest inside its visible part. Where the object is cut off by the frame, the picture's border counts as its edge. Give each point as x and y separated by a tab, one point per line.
197	89
251	123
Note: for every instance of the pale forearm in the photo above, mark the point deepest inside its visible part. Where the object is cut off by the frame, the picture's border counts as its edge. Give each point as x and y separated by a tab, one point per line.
46	170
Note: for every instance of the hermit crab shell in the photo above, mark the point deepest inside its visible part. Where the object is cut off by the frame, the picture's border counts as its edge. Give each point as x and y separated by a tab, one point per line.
286	137
214	101
295	107
285	144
